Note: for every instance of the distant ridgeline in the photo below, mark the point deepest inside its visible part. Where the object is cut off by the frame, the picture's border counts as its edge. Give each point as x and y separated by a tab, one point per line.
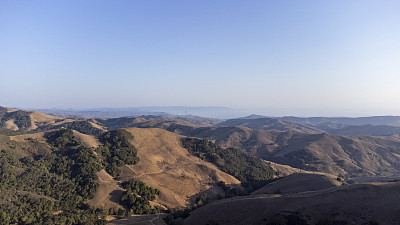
251	171
52	184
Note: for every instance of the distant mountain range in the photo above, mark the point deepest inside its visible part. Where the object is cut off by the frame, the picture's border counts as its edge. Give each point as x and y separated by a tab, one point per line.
212	112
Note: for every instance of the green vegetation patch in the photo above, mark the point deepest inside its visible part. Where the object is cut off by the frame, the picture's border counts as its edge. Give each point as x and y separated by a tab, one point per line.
117	151
251	171
137	196
116	123
21	118
41	184
51	185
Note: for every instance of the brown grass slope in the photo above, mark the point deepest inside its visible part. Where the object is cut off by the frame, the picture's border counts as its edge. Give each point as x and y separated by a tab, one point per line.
109	192
164	164
87	140
285	170
356	204
38	119
337	155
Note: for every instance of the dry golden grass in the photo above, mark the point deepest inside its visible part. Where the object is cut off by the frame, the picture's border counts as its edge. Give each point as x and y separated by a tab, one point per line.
10	110
11	125
97	126
36	118
166	165
109	192
87	140
21	138
41	117
284	170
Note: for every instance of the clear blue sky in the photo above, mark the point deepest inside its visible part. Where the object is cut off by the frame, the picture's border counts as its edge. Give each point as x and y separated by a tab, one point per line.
284	57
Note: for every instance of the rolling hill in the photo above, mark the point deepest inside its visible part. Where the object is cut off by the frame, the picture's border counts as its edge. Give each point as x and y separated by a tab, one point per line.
39	152
339	155
164	164
348	204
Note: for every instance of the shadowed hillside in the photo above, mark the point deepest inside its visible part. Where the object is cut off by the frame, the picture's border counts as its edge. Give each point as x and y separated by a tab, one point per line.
348	204
299	182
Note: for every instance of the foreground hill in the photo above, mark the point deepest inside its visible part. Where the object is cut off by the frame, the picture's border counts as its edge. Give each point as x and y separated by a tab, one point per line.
348	204
164	164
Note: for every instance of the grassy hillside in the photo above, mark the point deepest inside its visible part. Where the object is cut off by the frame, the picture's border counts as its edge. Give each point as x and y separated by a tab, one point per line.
53	177
164	164
16	122
44	180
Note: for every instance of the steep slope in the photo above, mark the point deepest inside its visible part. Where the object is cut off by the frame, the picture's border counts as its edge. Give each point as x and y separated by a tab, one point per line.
349	204
164	164
87	140
109	192
338	155
270	124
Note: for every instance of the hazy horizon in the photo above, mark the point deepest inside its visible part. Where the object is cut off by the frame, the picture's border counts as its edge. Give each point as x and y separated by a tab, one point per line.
291	58
220	112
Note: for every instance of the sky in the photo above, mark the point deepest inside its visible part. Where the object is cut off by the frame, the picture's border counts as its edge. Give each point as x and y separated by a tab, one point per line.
294	57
